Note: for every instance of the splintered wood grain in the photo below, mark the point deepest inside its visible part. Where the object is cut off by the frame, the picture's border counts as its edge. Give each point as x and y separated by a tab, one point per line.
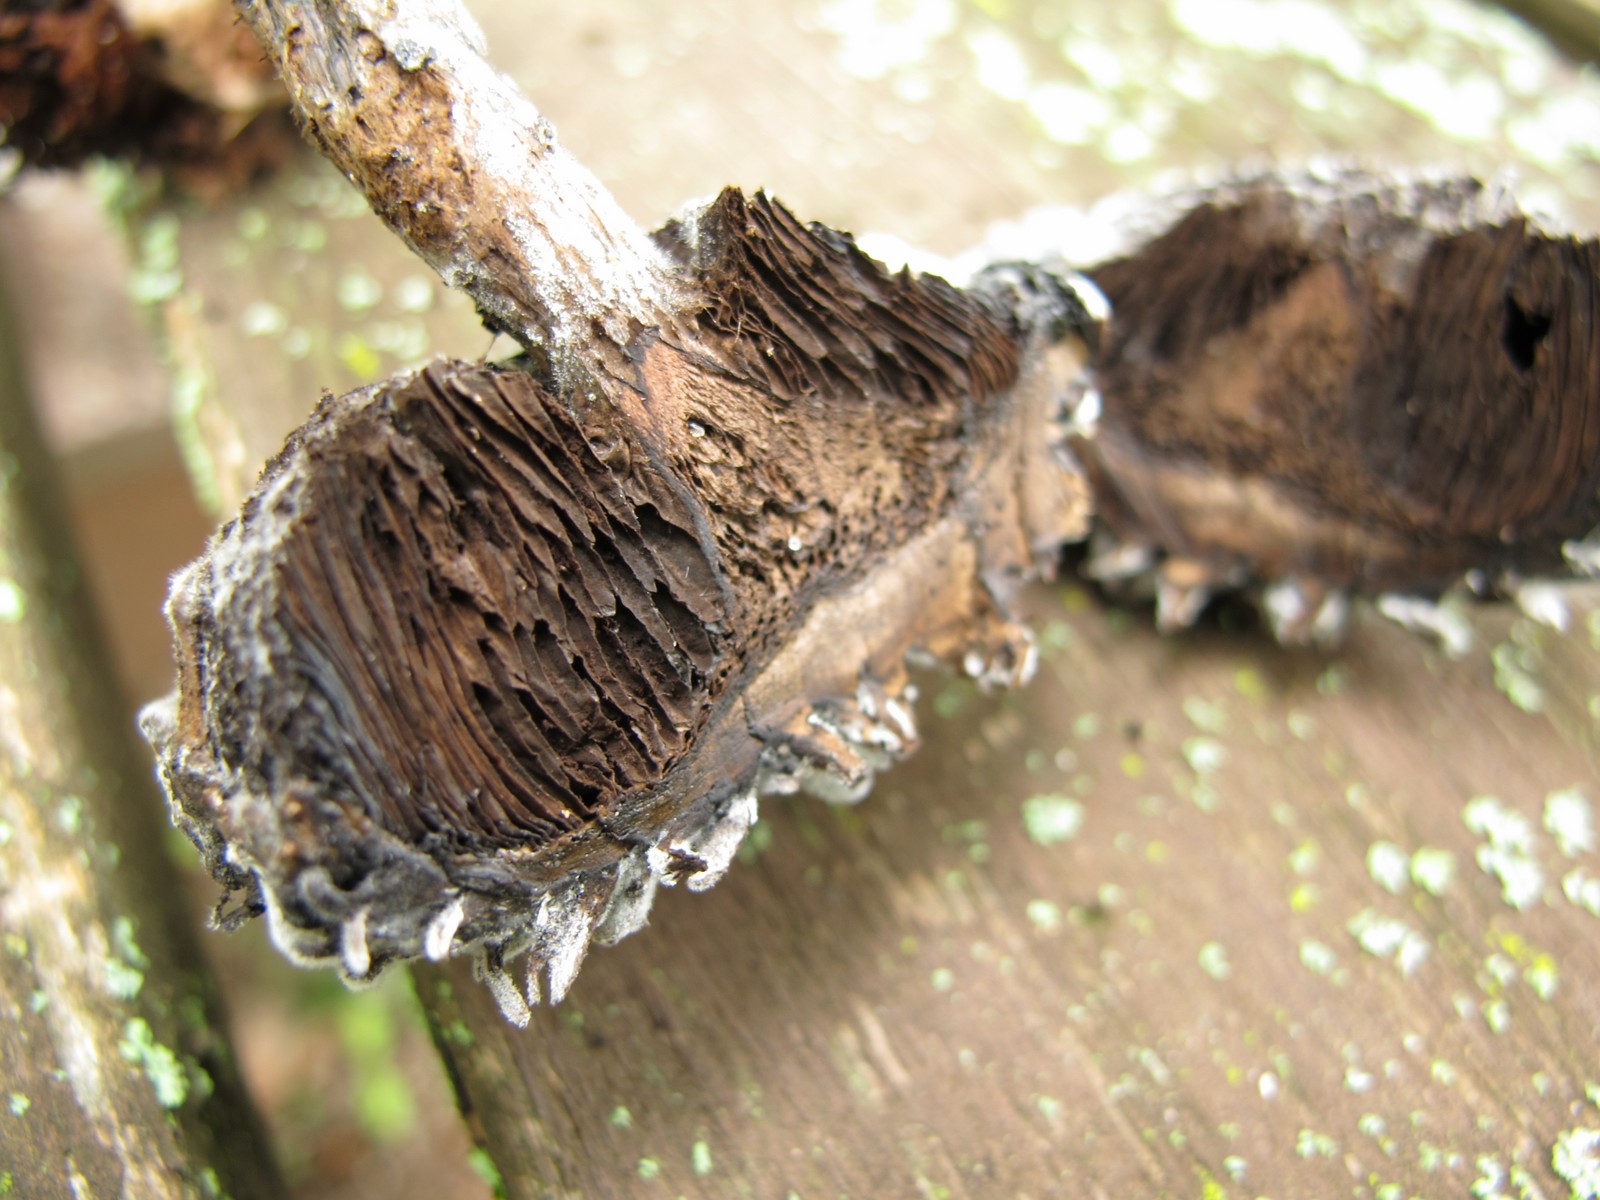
1046	957
1189	916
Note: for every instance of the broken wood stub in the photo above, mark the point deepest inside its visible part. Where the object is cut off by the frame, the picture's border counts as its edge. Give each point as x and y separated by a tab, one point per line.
1345	383
68	75
493	651
175	85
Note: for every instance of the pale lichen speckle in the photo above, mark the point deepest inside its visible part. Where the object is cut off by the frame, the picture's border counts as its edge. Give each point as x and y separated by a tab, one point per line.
700	1158
262	318
13	602
1575	1157
1205	715
1513	676
1050	819
1214	960
69	815
1432	869
1318	957
878	39
1358	1081
1389	866
414	294
1496	1015
1044	915
358	291
1390	938
1507	852
1204	755
1303	859
1569	818
1542	975
1582	890
1311	1144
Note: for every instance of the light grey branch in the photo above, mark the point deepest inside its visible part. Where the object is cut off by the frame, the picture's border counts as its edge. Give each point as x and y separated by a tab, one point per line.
460	164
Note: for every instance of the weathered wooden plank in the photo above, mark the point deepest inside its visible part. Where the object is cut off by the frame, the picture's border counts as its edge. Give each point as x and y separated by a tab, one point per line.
1187	910
118	1072
1122	1022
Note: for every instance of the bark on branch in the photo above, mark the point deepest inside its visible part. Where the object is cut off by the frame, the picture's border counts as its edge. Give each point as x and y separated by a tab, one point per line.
463	167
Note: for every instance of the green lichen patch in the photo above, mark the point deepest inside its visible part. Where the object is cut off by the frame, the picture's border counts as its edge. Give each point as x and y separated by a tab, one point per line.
1575	1157
159	1064
1051	819
700	1158
122	982
13	602
483	1166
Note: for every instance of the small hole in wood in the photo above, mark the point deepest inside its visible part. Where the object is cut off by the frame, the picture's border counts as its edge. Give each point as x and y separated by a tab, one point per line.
1521	332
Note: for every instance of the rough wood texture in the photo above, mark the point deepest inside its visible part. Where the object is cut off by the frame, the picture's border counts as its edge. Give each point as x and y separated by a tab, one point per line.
1337	382
118	1072
483	192
175	85
558	642
1148	927
1300	1054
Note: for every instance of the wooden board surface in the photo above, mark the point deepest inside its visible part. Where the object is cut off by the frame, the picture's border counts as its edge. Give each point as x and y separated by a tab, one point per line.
1188	914
1226	981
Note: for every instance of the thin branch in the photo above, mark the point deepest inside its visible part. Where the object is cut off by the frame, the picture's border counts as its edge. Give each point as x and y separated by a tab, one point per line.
463	167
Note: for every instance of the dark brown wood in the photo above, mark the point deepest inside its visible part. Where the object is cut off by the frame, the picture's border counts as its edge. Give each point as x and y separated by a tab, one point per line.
485	658
1339	382
177	87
